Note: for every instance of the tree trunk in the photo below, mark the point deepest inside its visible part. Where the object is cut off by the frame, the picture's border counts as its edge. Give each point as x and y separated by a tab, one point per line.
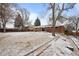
4	26
4	29
53	18
53	32
76	29
0	25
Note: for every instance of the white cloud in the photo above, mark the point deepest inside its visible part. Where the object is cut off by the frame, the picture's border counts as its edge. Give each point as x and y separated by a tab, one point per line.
43	21
9	25
33	17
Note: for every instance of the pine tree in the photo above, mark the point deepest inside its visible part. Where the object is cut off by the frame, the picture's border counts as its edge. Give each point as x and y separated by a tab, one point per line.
37	22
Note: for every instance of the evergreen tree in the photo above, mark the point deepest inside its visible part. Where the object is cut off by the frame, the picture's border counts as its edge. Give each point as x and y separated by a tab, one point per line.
37	22
18	21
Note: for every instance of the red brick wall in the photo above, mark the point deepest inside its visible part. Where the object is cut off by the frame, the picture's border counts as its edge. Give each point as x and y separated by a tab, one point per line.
59	29
37	29
71	33
48	29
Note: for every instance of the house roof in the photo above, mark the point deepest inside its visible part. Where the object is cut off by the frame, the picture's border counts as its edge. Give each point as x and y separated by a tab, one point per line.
58	23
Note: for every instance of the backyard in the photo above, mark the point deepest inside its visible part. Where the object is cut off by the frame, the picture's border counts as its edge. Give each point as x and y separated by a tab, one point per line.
22	43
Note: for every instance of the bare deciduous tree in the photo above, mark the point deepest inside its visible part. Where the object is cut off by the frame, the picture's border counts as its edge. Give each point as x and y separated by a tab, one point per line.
6	13
57	10
75	23
24	15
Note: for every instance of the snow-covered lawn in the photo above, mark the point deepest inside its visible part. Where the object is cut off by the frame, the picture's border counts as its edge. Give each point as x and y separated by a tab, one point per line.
59	47
19	43
78	37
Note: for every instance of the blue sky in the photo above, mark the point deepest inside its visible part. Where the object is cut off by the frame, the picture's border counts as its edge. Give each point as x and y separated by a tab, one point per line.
34	7
39	9
36	10
74	11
